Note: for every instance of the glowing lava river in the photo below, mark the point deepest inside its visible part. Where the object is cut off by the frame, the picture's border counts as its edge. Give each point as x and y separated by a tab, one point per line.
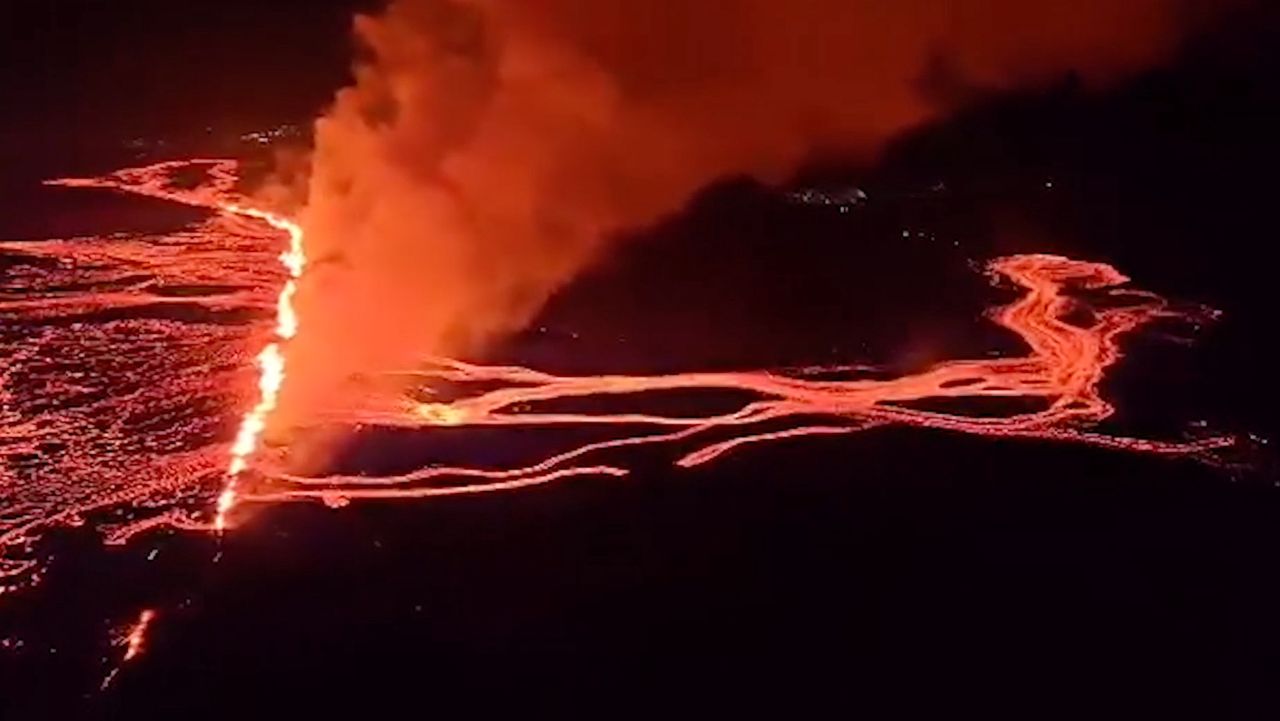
126	363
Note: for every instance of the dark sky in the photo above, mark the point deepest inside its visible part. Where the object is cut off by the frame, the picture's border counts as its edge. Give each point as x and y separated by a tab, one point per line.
112	69
146	66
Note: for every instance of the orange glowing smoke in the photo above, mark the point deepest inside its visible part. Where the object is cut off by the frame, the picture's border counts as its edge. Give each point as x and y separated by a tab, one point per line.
489	150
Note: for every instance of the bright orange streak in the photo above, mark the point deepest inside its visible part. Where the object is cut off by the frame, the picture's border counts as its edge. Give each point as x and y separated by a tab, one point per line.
271	361
133	642
712	452
138	634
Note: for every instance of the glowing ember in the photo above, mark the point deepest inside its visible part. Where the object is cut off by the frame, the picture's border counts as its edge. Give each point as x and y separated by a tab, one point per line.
122	352
138	634
133	643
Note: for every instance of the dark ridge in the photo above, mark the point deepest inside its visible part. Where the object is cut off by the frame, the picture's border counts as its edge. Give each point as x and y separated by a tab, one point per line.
1079	315
682	402
978	407
193	291
181	312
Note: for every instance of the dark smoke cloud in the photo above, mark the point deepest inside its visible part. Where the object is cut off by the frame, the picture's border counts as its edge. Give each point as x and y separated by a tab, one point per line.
490	149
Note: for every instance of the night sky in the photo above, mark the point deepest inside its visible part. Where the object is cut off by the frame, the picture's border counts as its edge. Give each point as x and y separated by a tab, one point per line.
102	68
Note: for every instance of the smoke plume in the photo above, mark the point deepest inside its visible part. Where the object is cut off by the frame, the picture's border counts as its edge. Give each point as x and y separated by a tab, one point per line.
488	150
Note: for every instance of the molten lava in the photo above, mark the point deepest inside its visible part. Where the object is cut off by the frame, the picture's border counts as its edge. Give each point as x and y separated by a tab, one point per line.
123	353
270	361
137	635
155	181
1065	367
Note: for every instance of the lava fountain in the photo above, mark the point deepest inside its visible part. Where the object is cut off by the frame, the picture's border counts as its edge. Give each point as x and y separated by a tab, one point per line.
271	362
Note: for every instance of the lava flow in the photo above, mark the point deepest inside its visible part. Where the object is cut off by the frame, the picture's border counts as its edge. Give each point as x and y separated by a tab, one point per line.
123	353
156	181
270	360
1065	366
123	359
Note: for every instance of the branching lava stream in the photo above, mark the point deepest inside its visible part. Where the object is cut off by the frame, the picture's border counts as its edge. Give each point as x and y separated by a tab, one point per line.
123	354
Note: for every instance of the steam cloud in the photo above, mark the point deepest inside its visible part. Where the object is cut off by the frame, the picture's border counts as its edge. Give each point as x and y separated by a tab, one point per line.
489	150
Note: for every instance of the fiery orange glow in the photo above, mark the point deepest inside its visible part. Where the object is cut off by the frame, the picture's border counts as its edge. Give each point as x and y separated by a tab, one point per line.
154	181
142	452
123	357
463	183
138	635
1065	366
271	361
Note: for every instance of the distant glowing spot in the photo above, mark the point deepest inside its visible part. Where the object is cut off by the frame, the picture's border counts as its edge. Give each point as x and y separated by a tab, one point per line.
133	642
138	635
441	414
